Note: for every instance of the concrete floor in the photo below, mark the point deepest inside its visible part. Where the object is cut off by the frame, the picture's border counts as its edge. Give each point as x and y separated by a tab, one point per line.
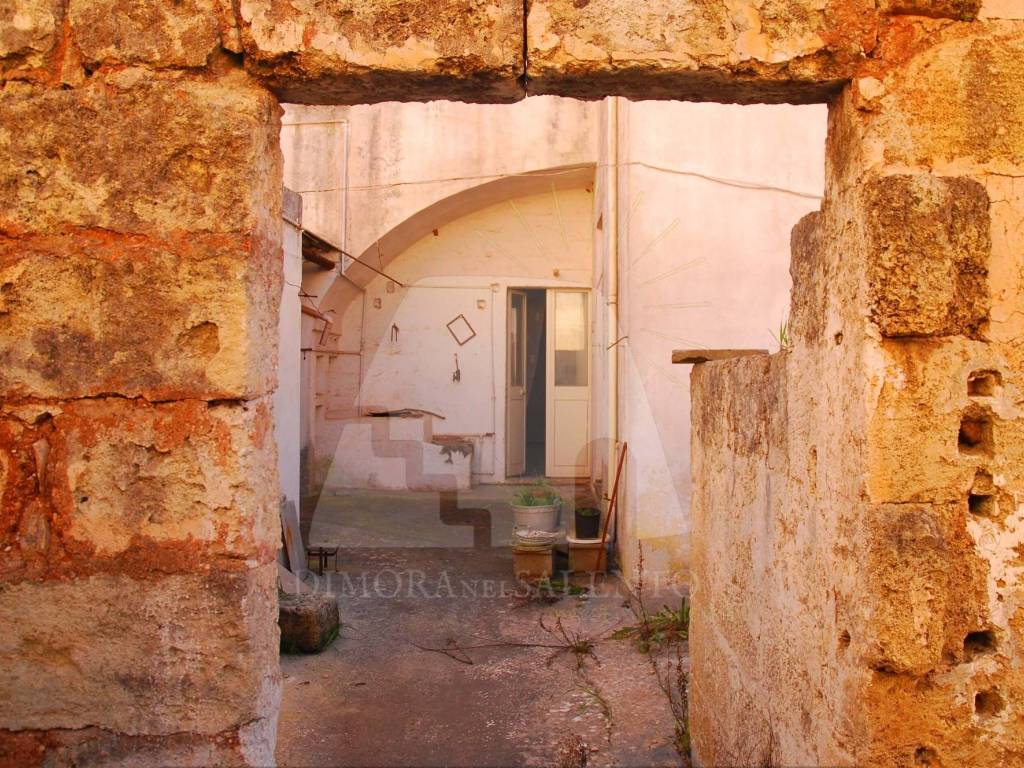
375	699
415	519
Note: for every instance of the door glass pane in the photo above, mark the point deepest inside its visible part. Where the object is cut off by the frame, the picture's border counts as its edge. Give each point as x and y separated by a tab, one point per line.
516	338
570	339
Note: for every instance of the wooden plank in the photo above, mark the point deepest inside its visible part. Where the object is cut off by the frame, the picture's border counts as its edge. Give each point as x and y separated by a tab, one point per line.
693	356
291	207
293	538
324	262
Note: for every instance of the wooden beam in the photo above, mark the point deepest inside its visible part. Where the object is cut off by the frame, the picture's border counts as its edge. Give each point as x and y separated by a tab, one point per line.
314	313
320	252
694	356
318	258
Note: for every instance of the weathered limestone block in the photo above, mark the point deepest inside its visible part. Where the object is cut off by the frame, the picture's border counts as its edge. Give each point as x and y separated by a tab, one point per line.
187	308
132	487
964	10
914	722
181	33
153	656
29	30
925	588
941	542
86	312
359	52
928	242
309	622
156	155
955	108
966	710
808	318
97	748
775	51
946	409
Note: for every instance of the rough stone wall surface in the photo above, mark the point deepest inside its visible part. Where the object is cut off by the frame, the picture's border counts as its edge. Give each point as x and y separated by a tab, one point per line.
28	31
222	625
964	10
140	268
869	478
778	467
113	485
708	51
180	34
353	51
84	232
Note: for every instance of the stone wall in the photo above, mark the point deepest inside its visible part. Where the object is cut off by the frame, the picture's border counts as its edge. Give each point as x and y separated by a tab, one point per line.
140	257
858	520
139	279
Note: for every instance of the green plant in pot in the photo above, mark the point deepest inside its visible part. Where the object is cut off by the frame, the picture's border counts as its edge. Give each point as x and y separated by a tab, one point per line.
536	508
588	523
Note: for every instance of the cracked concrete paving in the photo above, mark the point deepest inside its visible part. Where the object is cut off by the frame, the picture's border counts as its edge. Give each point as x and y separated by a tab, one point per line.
374	699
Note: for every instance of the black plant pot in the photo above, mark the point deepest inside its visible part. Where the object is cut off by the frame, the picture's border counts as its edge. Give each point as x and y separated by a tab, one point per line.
588	526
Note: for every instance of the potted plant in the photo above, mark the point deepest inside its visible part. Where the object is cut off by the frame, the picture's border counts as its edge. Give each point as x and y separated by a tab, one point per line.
536	508
588	522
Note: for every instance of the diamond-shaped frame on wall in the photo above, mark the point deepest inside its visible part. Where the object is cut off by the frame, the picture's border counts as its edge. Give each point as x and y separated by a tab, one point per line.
461	330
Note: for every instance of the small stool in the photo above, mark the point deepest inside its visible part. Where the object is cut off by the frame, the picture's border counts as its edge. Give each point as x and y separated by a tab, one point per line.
322	554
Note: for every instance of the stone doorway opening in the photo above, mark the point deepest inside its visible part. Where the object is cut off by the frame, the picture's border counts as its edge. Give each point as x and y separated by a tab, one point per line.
439	212
405	436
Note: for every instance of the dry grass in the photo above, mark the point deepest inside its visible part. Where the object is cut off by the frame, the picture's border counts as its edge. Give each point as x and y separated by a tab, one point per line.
654	633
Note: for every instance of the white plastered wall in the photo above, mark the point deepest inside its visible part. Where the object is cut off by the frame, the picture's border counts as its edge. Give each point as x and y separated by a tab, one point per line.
287	427
708	195
539	241
703	262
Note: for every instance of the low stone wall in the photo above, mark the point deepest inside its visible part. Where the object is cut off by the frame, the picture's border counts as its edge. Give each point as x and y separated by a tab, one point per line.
857	526
765	638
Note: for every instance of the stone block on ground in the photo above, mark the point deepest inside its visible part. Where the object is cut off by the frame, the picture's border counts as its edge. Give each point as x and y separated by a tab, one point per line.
309	623
532	564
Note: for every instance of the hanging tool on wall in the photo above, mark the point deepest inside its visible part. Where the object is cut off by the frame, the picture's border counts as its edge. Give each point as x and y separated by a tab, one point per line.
457	376
394	333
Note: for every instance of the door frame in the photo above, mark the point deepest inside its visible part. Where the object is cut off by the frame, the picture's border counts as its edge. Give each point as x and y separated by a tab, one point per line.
515	456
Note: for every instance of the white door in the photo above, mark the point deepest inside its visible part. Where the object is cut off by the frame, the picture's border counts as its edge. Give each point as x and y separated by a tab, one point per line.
568	383
515	401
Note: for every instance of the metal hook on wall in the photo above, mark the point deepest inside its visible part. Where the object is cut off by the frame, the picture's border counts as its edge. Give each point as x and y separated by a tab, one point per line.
457	376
